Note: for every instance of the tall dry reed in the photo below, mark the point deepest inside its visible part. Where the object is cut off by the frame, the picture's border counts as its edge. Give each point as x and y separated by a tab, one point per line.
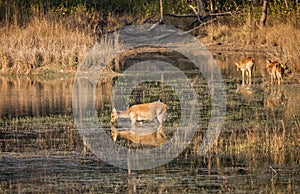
276	144
42	45
278	39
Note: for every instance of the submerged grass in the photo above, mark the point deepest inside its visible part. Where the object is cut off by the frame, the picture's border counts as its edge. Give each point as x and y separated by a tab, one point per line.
32	135
37	122
276	145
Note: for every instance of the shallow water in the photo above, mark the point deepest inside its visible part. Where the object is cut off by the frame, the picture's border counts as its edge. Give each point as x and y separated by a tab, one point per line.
42	151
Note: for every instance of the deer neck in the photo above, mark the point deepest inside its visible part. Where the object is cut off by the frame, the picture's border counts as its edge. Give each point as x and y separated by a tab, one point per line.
123	114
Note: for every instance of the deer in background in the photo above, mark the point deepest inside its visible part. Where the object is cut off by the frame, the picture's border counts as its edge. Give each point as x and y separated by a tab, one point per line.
276	70
246	65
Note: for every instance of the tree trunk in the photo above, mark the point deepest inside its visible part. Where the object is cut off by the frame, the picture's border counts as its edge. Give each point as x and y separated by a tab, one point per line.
200	7
211	4
286	4
161	10
263	18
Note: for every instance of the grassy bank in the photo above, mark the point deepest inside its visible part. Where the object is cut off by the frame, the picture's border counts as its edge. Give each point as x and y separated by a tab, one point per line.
277	40
42	46
49	45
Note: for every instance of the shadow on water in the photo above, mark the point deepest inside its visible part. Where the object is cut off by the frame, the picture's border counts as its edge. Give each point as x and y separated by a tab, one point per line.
41	150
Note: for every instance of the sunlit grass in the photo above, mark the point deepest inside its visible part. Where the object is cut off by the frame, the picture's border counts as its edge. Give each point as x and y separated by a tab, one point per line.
243	34
275	145
42	46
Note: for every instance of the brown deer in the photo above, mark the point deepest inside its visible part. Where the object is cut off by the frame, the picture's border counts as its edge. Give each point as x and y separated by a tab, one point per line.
246	65
154	139
276	70
142	112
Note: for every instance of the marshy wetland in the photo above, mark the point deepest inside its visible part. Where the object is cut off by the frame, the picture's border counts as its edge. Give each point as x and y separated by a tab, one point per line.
256	151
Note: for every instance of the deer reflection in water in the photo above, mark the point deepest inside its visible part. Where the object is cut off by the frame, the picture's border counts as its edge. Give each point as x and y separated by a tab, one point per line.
275	99
245	90
155	138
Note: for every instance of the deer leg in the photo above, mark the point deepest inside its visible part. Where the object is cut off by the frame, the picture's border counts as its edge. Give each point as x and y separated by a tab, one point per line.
133	127
249	74
279	78
133	121
243	77
161	118
271	79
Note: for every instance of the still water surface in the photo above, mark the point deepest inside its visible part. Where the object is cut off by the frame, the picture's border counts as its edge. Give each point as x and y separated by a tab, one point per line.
41	150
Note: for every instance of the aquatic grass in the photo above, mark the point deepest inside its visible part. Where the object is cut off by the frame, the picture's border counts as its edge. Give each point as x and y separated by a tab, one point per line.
31	134
36	123
277	145
207	173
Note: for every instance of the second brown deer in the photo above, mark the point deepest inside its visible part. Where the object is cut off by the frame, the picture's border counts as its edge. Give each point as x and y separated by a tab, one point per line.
276	70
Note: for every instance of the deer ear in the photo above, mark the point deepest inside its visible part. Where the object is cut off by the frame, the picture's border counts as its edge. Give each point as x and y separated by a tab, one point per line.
114	110
236	64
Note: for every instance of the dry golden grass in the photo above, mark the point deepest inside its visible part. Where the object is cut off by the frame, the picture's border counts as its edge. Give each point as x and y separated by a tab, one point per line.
59	44
53	43
42	45
278	39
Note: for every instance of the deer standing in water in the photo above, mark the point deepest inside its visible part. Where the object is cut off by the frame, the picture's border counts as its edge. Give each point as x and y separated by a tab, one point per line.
276	70
246	65
142	112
